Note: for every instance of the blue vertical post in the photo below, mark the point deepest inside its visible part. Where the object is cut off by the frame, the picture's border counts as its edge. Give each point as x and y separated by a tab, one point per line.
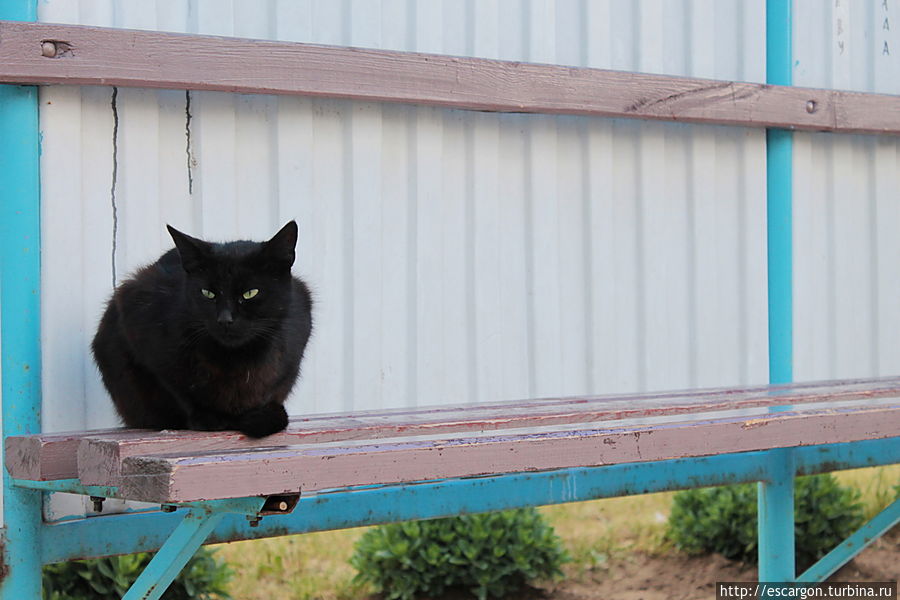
20	272
776	493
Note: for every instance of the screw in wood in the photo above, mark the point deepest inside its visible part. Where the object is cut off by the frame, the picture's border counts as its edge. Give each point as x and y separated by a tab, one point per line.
282	505
811	106
48	49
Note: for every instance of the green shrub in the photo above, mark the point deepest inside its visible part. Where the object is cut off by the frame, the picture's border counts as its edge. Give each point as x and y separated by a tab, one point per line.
489	554
723	519
203	578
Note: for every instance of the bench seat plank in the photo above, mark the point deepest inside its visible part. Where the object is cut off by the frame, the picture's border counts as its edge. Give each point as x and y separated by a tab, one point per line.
316	467
99	457
46	457
58	456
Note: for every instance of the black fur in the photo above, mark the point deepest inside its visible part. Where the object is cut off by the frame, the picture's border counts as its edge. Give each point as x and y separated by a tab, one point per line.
172	358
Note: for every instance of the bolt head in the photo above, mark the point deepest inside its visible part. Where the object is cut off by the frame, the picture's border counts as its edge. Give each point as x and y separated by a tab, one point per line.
811	106
48	49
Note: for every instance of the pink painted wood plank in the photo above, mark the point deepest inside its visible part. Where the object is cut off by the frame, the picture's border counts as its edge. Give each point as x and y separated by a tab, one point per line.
99	456
53	456
316	467
44	457
103	56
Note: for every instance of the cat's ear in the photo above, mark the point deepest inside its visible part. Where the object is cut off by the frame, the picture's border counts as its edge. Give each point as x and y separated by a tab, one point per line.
194	253
280	249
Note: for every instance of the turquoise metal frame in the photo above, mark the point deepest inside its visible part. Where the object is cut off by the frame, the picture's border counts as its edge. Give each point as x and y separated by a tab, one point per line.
20	293
30	543
178	534
775	497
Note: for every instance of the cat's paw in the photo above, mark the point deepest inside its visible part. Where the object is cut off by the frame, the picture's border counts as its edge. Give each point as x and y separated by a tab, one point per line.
264	420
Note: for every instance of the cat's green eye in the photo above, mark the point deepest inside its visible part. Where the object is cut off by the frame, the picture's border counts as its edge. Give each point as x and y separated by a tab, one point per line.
207	294
250	294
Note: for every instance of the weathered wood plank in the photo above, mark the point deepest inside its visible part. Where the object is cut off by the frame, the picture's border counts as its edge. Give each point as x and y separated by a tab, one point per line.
53	456
317	467
45	457
99	457
104	56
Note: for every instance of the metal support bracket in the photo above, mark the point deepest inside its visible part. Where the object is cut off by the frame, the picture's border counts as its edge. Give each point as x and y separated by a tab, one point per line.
853	545
200	519
68	486
198	523
174	555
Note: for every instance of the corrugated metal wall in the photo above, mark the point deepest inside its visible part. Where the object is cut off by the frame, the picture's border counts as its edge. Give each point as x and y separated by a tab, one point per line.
455	256
463	256
847	200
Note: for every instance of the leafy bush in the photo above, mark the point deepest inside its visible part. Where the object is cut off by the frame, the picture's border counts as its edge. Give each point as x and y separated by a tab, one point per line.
203	578
489	554
723	519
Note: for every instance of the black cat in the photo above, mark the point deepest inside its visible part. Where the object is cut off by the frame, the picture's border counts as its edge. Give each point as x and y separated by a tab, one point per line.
208	337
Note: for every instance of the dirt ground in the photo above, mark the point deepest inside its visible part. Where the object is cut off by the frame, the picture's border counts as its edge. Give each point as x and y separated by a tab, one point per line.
641	576
676	577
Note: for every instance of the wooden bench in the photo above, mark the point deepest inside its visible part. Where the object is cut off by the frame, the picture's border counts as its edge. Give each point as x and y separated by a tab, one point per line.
213	473
399	446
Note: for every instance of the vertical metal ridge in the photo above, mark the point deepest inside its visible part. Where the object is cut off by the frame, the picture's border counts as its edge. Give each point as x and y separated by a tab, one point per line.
411	361
588	265
472	349
468	145
691	284
831	261
586	58
871	147
272	112
640	265
347	266
639	260
528	207
412	258
742	268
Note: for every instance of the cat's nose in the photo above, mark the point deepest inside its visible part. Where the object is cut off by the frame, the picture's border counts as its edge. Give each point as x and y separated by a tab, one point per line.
225	317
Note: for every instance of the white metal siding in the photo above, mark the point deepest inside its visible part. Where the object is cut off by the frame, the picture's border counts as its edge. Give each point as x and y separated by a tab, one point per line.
847	200
460	256
454	255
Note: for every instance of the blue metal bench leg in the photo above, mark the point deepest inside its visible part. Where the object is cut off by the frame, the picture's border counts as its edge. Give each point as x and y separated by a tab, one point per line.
174	554
776	519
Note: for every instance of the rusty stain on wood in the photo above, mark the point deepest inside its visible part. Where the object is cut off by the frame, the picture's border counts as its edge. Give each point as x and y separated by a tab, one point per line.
150	59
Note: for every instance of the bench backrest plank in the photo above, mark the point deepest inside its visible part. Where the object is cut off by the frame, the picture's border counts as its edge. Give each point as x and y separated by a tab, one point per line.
316	467
99	457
